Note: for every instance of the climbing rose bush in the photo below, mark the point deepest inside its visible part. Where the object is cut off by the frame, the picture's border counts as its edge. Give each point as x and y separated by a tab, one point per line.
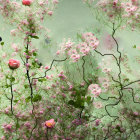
76	51
64	100
122	12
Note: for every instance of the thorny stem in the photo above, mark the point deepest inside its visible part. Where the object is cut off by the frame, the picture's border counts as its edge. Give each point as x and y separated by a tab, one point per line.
31	88
12	96
54	60
47	134
83	66
30	83
80	115
120	56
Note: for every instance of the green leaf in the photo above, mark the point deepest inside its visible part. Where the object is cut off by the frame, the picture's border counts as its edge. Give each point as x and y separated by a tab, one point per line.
7	86
36	37
134	46
88	99
12	79
71	102
15	101
26	86
17	125
37	98
41	80
27	99
34	54
26	51
118	128
79	103
94	128
2	43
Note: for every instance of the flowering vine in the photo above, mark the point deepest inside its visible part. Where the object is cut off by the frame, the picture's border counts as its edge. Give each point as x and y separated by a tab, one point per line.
85	97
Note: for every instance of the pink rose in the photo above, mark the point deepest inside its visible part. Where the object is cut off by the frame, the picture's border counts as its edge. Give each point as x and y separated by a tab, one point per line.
50	123
13	64
47	67
26	2
97	122
50	13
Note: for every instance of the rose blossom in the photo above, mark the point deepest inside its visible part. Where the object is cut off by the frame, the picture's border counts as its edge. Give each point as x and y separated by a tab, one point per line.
97	105
95	89
13	63
97	122
50	123
50	13
26	2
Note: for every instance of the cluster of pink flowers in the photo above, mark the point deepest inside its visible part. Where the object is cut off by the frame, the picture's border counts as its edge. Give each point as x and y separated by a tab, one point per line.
76	51
34	11
97	122
91	40
129	11
111	8
95	90
7	127
27	17
132	13
7	7
77	121
26	121
62	76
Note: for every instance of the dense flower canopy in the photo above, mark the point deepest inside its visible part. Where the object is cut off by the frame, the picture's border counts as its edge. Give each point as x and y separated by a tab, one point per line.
87	91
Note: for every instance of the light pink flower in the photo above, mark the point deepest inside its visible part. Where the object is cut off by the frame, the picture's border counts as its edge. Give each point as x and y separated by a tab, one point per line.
15	47
27	124
8	127
136	113
95	89
98	105
3	138
13	32
50	13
